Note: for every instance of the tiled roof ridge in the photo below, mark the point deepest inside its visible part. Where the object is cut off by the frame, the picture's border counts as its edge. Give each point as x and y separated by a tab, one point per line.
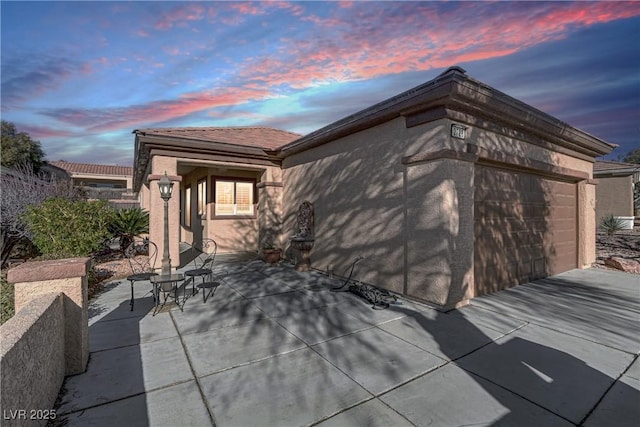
208	128
92	168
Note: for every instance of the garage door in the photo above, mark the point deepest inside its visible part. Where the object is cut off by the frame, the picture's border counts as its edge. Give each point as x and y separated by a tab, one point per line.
524	226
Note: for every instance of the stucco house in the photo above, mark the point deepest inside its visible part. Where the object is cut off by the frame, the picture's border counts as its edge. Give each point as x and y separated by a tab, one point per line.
104	182
449	190
615	189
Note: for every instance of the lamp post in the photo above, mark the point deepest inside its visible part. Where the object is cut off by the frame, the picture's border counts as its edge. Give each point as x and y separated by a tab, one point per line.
166	187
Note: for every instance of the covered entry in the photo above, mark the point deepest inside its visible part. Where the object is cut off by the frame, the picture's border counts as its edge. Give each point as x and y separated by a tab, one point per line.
525	227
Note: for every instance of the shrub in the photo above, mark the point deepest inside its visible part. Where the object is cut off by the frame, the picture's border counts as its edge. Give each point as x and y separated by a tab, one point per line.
129	223
21	188
6	299
611	224
63	228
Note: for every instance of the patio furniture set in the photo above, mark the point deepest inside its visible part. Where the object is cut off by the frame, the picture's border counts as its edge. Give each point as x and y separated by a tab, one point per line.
142	255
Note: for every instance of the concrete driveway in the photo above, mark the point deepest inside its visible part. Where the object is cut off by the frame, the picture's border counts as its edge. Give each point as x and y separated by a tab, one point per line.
274	347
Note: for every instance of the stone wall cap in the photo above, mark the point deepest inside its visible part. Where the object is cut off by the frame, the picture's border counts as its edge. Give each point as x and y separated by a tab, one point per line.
49	270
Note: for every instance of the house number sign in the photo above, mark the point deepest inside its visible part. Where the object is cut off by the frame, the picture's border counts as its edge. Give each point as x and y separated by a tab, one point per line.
458	131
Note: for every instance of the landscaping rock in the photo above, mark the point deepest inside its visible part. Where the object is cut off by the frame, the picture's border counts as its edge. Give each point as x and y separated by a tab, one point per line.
624	245
628	265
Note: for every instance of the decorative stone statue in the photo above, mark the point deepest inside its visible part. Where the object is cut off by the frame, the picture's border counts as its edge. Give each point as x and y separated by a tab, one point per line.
304	238
305	221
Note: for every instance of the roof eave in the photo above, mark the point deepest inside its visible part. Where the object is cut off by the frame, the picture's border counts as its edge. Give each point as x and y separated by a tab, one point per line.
616	172
451	92
146	143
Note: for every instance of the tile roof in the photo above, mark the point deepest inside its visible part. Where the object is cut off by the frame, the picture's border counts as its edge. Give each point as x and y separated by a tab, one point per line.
93	169
605	165
259	137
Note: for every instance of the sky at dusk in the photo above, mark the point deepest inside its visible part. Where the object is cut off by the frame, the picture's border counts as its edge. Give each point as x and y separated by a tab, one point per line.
81	76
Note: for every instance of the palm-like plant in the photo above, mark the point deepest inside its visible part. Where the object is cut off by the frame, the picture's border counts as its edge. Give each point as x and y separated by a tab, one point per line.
611	224
129	223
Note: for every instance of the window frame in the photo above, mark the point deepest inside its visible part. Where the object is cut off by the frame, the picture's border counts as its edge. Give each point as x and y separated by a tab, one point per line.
201	198
186	208
235	180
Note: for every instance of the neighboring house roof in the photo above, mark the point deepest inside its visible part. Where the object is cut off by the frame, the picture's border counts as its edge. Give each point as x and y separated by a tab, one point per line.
55	171
258	137
605	167
91	169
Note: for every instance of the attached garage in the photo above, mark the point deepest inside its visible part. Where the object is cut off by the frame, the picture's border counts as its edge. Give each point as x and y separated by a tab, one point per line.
525	228
455	190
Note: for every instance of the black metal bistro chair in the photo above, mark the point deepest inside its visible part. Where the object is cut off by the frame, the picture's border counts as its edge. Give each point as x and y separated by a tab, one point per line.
142	255
204	267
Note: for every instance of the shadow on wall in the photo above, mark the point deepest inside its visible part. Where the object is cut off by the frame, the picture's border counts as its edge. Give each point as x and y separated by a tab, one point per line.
269	218
365	204
358	206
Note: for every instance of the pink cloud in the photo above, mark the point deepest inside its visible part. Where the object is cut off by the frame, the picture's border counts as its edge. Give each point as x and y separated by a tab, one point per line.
248	8
261	8
373	41
181	14
294	8
233	20
109	119
171	50
39	132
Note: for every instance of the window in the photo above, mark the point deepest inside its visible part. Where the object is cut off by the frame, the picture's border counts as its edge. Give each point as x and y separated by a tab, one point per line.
186	211
234	198
202	197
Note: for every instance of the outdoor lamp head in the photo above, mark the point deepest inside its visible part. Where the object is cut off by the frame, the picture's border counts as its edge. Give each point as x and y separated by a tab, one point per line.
165	186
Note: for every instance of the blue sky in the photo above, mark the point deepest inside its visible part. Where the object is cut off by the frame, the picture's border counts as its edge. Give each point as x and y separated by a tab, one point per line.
80	76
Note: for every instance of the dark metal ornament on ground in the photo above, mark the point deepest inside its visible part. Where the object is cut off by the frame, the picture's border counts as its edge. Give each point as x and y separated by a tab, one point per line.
379	298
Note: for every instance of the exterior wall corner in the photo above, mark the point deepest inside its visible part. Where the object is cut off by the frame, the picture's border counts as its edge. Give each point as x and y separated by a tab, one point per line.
586	223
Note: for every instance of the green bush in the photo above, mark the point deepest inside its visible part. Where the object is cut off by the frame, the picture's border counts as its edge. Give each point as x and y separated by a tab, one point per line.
63	228
611	224
129	223
6	299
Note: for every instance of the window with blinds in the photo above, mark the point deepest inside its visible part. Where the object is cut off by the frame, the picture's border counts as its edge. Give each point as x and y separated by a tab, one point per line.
233	198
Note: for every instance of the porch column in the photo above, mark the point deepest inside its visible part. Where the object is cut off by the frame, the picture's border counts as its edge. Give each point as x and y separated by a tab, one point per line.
586	223
160	165
270	208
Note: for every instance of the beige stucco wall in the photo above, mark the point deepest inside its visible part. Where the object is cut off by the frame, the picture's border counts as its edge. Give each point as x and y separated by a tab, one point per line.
46	339
500	141
439	231
614	196
357	186
69	276
33	358
413	223
270	221
76	318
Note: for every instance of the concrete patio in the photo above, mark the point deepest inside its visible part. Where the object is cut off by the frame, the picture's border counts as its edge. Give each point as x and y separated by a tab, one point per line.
274	347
